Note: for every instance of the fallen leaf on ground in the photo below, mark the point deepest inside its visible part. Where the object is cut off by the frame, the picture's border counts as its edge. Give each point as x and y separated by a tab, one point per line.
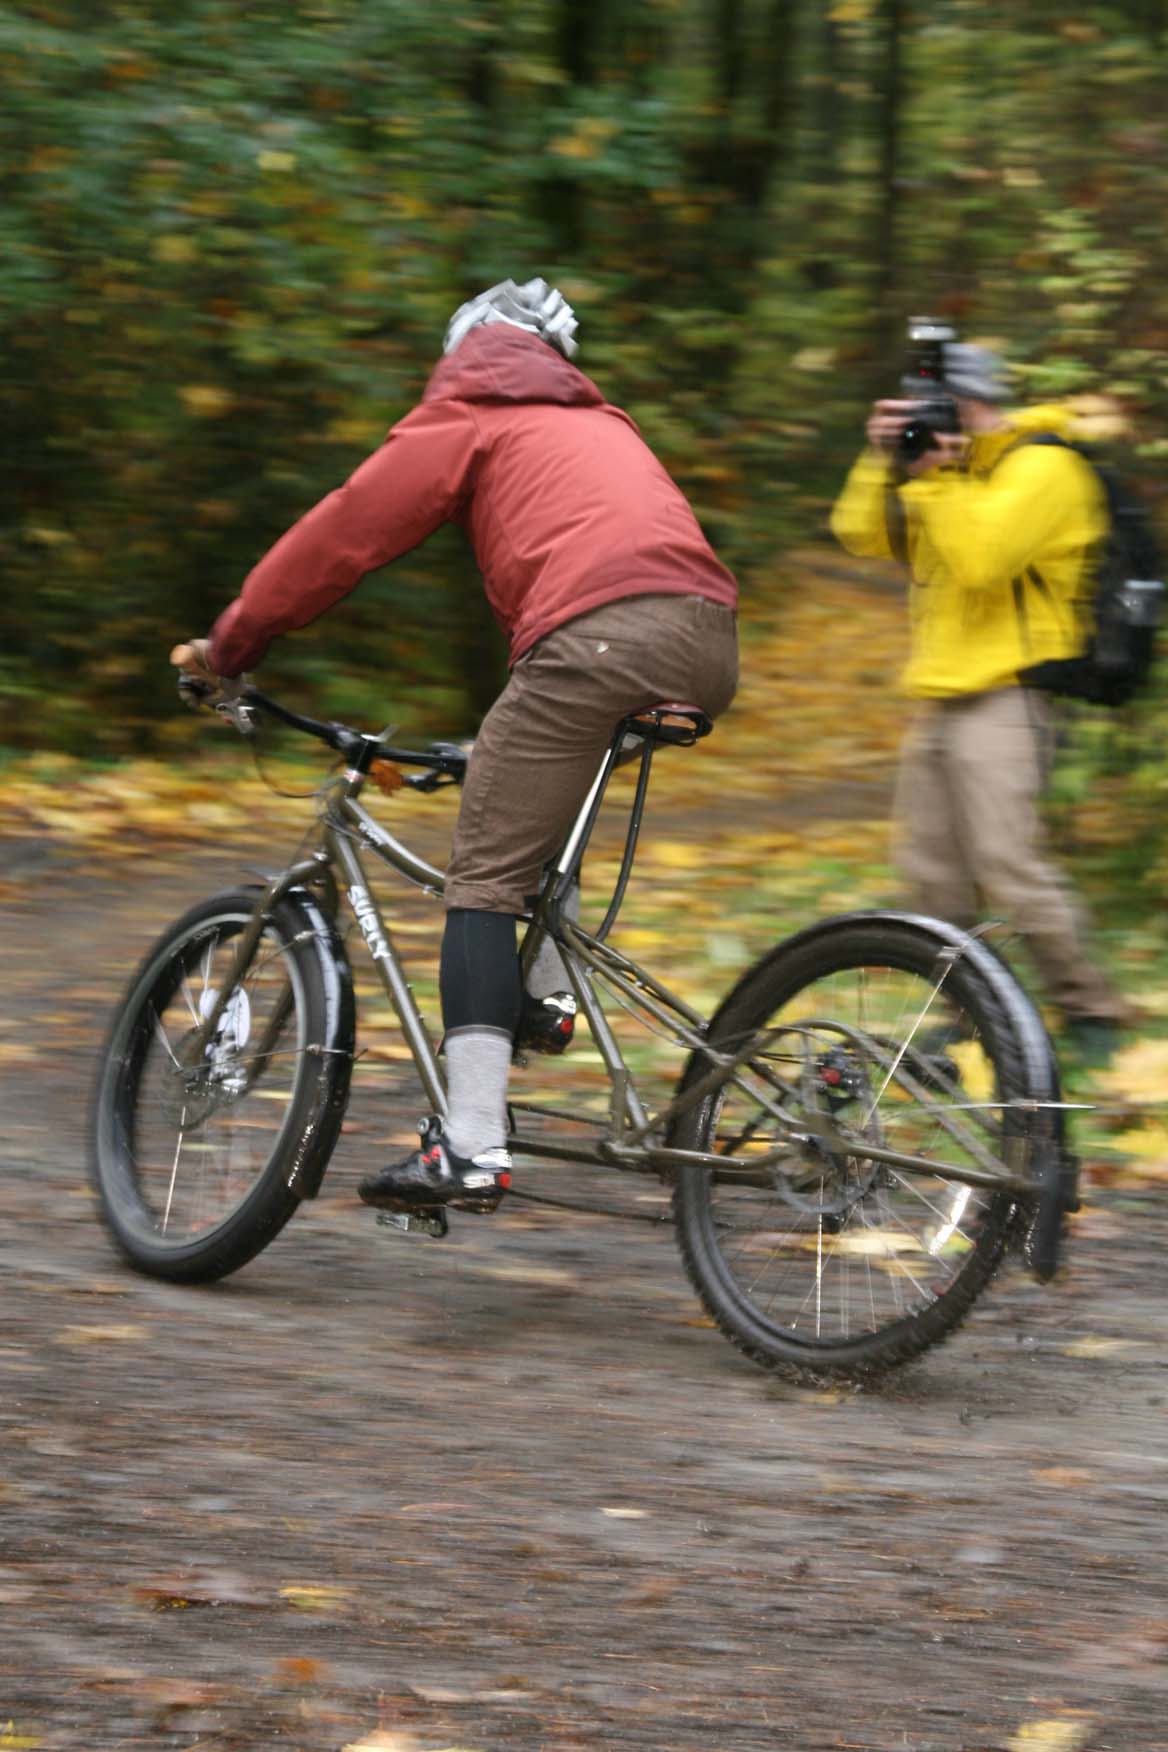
445	1694
1059	1734
1098	1347
12	1738
383	1740
1139	1072
314	1596
299	1670
100	1334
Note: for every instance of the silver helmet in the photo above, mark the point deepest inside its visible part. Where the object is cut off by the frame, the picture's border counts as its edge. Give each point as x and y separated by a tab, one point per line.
534	306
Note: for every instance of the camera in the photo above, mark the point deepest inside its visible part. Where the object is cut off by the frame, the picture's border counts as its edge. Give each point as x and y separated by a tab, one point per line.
923	380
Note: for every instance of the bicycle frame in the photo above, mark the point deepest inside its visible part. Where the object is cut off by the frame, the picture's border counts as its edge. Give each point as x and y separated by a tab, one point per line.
632	1138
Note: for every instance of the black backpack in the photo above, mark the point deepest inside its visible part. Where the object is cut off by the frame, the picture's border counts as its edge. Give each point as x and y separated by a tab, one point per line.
1126	610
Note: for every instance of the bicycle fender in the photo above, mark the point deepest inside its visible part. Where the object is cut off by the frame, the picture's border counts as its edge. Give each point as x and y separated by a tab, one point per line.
1028	1024
310	923
1055	1166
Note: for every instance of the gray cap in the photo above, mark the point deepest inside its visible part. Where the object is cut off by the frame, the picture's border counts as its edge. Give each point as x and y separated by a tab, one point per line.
975	373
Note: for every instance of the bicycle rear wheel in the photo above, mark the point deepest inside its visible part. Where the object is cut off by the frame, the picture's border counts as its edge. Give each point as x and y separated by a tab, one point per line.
894	1032
202	1149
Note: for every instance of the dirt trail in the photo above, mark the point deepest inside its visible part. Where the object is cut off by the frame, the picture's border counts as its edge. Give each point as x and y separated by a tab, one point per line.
513	1492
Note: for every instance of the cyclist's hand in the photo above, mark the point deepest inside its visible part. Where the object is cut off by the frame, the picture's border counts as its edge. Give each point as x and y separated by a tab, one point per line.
197	683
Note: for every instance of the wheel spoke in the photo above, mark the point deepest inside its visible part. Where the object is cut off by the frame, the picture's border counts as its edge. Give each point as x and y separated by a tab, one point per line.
208	1116
842	1250
174	1169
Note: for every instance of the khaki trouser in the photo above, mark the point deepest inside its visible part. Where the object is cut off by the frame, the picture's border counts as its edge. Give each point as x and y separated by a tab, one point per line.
967	834
541	743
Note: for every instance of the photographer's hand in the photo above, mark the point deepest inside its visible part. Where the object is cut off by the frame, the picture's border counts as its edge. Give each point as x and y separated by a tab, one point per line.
887	421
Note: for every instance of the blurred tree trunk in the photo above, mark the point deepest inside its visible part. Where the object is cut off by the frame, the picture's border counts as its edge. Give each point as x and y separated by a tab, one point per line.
578	31
890	93
826	128
732	167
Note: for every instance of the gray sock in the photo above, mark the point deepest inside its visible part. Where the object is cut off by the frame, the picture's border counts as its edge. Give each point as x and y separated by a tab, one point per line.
548	973
477	1063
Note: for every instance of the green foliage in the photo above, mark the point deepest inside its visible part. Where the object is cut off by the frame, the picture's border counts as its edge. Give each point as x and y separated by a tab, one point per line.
230	237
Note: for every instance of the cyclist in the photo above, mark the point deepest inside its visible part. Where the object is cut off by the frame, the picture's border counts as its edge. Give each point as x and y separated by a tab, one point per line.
612	600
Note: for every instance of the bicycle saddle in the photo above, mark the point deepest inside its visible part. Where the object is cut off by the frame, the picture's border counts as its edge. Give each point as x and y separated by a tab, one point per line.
669	722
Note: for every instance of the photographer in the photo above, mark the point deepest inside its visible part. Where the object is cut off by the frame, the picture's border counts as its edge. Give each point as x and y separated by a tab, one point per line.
999	533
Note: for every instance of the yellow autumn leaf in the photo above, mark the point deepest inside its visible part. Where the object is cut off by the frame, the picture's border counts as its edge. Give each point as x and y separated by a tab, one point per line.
313	1596
382	1740
174	249
1096	1347
1149	1143
14	1740
813	359
576	145
1057	1734
1138	1073
351	429
876	1243
679	854
100	1334
279	162
977	1072
206	400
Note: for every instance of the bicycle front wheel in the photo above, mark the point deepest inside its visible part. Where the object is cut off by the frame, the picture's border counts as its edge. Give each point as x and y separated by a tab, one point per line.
895	1034
203	1147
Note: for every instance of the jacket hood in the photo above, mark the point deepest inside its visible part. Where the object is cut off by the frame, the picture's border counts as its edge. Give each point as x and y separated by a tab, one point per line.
498	363
1045	417
1020	423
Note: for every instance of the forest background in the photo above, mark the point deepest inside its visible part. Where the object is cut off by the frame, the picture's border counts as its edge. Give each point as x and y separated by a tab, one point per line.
231	236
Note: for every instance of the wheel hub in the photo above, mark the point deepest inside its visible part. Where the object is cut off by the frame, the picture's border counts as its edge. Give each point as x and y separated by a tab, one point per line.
208	1075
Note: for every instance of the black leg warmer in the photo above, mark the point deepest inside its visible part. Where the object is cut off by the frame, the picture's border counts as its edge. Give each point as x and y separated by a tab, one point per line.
479	977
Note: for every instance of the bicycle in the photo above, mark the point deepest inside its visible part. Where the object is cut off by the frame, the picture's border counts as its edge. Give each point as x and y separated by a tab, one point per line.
867	1122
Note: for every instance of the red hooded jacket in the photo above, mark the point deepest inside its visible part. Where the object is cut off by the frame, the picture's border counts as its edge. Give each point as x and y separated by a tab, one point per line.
565	505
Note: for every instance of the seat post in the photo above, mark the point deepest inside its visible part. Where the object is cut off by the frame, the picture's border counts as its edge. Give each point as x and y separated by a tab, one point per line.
546	916
569	861
636	814
679	725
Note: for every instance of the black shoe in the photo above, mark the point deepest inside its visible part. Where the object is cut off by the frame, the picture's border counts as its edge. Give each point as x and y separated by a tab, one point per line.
434	1176
547	1024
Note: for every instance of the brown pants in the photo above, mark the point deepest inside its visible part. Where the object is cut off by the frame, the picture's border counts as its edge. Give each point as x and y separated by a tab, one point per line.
967	832
542	741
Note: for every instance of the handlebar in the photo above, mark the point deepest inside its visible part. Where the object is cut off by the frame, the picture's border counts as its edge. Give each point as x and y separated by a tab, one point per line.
241	703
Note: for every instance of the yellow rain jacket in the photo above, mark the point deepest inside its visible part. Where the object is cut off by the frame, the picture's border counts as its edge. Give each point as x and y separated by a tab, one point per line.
1001	551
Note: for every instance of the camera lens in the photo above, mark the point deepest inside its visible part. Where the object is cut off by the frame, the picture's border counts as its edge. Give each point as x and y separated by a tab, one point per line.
916	438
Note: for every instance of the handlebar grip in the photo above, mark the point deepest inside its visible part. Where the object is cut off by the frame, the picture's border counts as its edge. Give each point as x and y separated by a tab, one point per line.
194	691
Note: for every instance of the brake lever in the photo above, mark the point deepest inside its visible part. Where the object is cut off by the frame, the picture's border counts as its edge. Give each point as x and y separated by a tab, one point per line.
432	781
194	692
239	714
455	755
228	698
234	705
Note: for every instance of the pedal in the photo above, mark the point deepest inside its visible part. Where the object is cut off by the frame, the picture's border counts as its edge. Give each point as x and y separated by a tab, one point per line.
416	1222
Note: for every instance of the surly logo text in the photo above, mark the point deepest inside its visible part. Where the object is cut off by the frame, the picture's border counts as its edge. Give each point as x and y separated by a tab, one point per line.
370	925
